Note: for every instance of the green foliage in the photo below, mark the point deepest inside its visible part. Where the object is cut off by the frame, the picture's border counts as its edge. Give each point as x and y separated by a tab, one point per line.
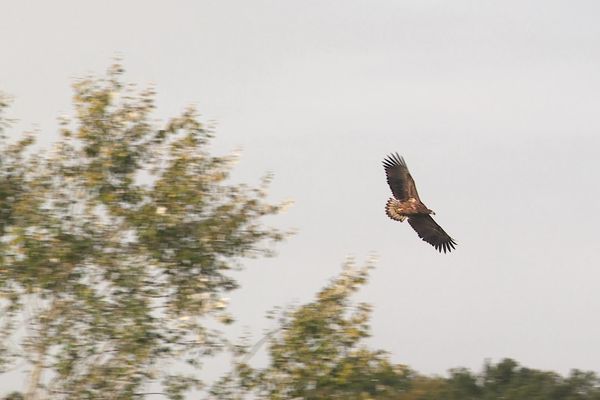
318	352
319	349
117	243
508	381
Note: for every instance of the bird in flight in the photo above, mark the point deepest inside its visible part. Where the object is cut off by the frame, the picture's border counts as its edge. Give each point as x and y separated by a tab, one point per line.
407	204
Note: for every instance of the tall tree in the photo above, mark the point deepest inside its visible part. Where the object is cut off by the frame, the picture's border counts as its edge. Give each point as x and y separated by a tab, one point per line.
116	246
318	352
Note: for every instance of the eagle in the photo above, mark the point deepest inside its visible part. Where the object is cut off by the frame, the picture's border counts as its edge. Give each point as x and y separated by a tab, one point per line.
407	204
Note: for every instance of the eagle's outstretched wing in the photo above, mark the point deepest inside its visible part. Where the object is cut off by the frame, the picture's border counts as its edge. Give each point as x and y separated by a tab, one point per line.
431	232
402	184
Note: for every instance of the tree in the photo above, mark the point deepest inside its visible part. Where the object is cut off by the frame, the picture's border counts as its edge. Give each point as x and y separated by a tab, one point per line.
317	352
505	380
510	381
116	245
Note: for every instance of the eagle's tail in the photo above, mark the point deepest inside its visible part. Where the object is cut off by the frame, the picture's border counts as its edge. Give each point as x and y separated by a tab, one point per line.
391	209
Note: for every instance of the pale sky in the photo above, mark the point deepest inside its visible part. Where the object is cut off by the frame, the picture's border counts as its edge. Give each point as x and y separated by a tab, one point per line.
494	105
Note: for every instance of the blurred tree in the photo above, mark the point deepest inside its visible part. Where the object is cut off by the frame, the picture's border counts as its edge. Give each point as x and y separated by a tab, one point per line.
115	245
318	353
508	380
505	380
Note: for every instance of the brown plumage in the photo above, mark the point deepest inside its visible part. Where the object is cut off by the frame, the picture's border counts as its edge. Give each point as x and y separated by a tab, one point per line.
407	204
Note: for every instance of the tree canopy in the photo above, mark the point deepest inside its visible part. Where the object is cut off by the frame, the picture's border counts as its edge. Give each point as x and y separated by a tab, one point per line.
318	352
116	244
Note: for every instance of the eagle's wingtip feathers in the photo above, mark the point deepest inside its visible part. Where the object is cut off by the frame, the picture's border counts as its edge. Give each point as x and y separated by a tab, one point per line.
394	160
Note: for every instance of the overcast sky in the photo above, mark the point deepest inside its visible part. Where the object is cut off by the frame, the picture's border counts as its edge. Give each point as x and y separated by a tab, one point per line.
494	105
